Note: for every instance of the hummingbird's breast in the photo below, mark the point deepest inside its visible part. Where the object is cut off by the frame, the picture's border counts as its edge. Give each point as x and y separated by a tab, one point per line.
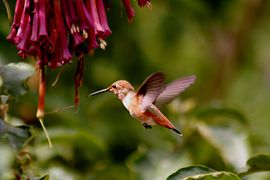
133	104
128	100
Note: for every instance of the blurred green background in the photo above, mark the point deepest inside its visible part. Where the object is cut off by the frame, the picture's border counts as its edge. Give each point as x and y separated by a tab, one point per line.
224	116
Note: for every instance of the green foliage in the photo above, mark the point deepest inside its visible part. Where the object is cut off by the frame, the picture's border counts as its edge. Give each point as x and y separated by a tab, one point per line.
215	176
45	177
18	136
190	171
260	162
257	163
215	112
14	76
201	173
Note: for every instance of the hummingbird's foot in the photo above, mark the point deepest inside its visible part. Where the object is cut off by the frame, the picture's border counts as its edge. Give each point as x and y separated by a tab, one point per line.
146	126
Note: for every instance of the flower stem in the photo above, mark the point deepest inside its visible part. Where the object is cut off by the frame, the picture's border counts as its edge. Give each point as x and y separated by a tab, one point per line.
8	10
41	101
45	131
78	80
41	93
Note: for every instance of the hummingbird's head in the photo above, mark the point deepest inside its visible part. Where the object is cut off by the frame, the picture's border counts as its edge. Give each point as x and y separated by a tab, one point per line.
120	88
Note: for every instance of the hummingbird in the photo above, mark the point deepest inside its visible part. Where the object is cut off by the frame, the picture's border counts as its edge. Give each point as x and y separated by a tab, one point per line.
153	93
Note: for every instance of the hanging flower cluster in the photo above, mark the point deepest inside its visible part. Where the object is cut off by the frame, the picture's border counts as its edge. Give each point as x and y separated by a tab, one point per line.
52	31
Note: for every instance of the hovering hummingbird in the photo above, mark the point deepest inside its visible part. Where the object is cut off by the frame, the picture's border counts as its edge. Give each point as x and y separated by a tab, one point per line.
153	93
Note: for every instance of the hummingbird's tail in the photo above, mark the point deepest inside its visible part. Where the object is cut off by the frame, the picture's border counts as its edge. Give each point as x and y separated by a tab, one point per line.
178	132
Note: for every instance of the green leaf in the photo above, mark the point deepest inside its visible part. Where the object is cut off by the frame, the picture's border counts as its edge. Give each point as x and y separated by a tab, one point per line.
231	144
213	112
157	163
45	177
260	162
2	127
202	173
220	146
14	77
189	171
17	135
215	176
257	163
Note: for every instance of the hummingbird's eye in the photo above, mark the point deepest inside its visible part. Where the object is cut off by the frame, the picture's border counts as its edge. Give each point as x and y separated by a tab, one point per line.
114	86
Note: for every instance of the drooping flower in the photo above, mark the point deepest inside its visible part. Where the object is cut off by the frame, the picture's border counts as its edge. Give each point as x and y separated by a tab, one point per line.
129	9
52	31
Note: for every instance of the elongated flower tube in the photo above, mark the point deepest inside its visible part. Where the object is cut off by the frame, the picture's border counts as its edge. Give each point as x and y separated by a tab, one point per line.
16	21
93	16
129	9
34	34
103	19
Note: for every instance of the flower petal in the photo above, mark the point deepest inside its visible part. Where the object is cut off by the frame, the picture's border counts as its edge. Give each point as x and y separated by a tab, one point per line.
130	11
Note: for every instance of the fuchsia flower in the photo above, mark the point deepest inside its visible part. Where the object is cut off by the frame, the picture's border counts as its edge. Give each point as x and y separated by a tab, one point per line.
53	30
130	11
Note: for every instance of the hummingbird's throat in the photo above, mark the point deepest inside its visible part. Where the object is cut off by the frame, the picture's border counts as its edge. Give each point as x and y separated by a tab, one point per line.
121	94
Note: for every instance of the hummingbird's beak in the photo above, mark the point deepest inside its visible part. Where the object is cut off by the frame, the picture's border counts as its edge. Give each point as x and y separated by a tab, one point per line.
98	92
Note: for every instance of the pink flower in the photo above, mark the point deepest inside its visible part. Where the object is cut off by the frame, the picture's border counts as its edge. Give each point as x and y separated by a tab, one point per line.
129	9
52	31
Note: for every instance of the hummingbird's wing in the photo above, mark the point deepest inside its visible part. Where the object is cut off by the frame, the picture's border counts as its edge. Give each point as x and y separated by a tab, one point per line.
152	86
173	89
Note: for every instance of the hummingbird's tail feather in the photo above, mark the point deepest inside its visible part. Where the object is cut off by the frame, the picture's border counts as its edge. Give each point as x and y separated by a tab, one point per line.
178	132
